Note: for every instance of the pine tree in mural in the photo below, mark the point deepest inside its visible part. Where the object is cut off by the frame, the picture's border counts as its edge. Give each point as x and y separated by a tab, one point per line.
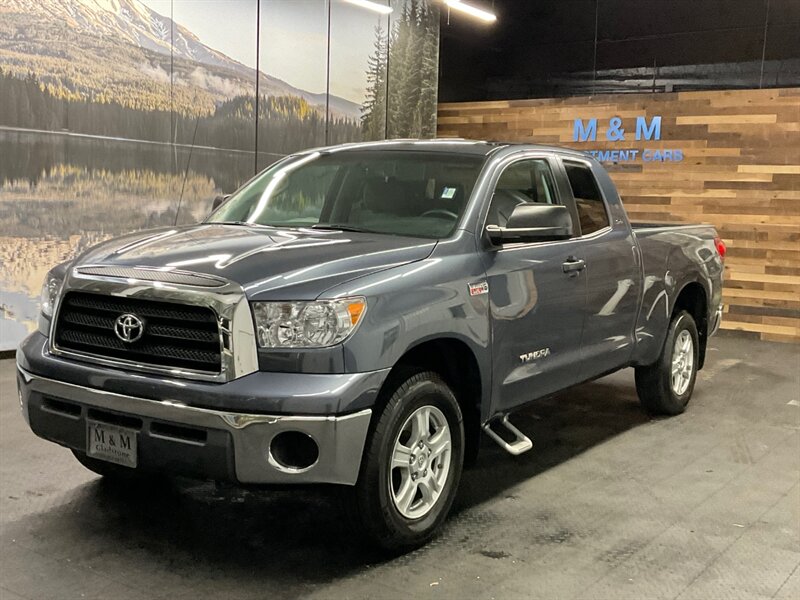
373	118
409	69
429	72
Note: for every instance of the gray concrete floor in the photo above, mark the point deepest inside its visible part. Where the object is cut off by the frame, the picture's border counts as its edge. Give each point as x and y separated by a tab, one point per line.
609	504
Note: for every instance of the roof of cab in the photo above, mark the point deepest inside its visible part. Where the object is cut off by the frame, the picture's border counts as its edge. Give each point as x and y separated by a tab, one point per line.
450	145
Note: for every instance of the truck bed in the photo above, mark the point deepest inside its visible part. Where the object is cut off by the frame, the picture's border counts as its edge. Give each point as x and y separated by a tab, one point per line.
644	225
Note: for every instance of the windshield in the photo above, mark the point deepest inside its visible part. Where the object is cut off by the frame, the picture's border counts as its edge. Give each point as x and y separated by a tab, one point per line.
421	194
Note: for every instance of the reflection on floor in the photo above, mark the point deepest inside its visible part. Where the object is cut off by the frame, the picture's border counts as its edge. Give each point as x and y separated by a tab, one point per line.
608	504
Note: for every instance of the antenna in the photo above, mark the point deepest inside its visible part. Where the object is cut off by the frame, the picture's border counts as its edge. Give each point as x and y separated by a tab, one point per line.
186	173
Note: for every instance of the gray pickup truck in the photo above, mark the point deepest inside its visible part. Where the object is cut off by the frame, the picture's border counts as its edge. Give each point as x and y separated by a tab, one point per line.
358	315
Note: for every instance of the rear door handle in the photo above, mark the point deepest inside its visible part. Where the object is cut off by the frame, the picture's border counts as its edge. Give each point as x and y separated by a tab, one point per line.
573	265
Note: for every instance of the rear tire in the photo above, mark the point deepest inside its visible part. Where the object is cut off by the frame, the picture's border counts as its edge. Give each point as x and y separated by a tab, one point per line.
666	386
412	464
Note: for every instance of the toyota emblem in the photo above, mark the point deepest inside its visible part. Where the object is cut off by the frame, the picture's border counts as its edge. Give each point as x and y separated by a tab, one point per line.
129	328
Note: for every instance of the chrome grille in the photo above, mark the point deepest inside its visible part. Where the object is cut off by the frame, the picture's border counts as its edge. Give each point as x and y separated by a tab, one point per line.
175	335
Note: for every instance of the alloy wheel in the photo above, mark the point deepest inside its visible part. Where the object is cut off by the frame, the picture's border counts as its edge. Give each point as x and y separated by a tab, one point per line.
682	362
420	462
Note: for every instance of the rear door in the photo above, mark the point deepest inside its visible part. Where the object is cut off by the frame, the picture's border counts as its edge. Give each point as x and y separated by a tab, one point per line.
612	275
537	309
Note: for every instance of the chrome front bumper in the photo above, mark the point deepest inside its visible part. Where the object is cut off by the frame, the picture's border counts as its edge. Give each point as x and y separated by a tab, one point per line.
340	438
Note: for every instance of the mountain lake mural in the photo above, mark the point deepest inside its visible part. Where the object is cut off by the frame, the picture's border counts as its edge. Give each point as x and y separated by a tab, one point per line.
117	115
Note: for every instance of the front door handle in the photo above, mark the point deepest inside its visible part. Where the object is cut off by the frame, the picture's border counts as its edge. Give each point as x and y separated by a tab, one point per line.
573	265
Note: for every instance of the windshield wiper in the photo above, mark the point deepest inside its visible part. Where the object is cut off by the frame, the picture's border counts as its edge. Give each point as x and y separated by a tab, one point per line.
341	227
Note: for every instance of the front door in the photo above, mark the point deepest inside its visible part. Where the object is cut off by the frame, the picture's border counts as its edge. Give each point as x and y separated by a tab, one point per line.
536	297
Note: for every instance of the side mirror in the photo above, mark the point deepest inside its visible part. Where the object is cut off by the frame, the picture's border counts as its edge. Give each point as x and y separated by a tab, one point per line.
219	200
533	223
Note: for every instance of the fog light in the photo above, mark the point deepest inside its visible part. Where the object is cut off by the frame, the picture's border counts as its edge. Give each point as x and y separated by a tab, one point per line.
293	451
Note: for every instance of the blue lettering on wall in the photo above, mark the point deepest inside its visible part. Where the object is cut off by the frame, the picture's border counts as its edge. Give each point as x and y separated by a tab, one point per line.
615	132
653	131
586	130
582	133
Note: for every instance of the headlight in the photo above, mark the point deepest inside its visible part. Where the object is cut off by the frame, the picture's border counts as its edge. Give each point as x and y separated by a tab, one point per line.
307	324
50	289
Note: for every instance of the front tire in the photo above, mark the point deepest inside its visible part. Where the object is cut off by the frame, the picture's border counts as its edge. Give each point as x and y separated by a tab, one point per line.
666	386
412	464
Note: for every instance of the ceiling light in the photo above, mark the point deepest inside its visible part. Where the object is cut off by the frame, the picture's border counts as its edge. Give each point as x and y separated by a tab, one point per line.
473	11
380	8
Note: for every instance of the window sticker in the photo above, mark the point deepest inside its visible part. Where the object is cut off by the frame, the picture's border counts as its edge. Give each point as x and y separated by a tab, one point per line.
448	193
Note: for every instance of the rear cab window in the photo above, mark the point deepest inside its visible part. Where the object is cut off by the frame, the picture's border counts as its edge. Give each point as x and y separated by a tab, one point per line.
588	199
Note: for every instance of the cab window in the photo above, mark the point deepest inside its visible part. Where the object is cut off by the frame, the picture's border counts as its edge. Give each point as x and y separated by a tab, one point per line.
523	182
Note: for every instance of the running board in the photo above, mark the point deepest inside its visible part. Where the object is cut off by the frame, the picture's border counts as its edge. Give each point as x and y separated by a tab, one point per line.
521	444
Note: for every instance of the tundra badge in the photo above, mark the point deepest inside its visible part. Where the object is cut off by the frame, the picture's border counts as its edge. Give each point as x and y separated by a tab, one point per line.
531	356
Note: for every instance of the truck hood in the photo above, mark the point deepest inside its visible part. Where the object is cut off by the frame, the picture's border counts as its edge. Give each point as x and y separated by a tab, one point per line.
269	263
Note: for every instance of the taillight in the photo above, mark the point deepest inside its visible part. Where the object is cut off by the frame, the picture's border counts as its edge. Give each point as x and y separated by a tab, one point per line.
721	249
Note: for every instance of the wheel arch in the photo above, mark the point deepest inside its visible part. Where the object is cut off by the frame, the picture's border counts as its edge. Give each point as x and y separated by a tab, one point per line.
693	298
456	362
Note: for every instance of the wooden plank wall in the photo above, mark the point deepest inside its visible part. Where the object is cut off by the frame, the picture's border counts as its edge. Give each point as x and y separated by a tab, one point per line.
740	172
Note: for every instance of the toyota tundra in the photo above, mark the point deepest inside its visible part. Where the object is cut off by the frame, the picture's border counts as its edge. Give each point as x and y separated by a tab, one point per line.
360	315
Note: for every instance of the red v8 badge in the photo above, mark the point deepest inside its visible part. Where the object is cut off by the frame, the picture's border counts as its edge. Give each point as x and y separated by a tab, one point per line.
476	289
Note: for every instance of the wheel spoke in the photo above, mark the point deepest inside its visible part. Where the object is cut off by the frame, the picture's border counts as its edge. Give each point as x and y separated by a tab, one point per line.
428	493
439	443
420	426
406	495
401	457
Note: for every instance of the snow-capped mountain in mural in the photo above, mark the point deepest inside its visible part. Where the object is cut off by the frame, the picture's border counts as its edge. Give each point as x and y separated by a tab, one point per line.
130	21
104	49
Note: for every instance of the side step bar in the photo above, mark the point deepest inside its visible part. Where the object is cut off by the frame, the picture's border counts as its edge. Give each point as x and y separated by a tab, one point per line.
522	443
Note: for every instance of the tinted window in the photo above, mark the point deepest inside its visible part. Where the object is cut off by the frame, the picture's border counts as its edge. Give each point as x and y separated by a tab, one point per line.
523	182
589	202
421	194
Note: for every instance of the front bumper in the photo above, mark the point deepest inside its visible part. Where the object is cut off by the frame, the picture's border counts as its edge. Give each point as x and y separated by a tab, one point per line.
196	441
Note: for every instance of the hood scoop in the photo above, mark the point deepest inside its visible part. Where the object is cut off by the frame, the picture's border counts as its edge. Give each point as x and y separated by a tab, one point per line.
165	275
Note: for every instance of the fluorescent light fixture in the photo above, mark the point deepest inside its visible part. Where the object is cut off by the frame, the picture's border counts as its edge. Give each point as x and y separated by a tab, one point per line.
379	8
483	15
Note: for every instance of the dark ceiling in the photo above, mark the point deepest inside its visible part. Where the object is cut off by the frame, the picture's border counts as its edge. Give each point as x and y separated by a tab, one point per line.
564	47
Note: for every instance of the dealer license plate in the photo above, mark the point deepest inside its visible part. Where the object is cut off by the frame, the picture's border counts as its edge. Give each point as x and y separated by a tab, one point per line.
111	443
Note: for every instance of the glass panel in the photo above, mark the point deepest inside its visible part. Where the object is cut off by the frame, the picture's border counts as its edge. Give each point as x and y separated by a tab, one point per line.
92	90
293	55
413	69
589	201
529	181
359	37
402	193
214	62
523	182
